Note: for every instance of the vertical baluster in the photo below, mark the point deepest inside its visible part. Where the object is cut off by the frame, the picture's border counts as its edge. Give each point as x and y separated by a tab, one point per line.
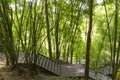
47	63
50	65
53	63
43	63
41	60
55	68
58	69
38	59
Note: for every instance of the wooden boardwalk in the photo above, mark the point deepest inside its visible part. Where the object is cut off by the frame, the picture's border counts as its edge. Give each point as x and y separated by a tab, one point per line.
106	70
64	70
78	70
72	70
67	70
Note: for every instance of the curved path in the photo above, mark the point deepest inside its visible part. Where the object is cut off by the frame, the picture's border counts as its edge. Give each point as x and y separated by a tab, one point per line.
65	70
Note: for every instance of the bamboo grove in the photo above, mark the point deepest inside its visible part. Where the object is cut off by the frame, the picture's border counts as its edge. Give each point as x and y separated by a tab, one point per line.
58	29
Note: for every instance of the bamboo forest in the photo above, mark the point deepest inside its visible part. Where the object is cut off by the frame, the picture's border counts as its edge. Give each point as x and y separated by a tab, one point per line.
59	40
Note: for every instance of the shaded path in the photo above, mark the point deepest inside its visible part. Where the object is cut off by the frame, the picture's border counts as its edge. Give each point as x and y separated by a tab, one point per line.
65	70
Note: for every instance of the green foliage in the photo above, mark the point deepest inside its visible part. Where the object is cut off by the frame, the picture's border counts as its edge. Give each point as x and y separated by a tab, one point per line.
28	28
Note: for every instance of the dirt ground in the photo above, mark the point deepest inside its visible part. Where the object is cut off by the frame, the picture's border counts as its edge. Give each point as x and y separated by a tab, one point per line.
7	74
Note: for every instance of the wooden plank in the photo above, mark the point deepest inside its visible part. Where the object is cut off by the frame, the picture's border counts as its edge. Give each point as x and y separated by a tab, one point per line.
2	57
56	68
71	70
46	63
38	60
53	66
98	75
32	58
78	71
21	58
72	66
59	68
106	70
102	77
50	65
41	61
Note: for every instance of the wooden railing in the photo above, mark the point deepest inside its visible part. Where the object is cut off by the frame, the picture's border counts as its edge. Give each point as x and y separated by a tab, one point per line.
48	64
44	62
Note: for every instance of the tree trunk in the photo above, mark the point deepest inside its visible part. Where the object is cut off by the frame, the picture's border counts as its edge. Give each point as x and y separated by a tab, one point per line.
48	29
114	66
57	31
88	41
7	33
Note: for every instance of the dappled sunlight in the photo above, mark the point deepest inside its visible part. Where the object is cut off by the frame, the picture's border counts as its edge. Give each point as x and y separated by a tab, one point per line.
66	38
99	1
80	70
2	64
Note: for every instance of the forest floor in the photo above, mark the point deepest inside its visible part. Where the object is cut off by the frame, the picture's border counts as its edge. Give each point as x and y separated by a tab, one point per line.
7	74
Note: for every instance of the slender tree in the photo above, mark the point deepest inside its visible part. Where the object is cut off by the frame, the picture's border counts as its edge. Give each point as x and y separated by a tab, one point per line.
88	41
48	29
57	30
7	33
114	66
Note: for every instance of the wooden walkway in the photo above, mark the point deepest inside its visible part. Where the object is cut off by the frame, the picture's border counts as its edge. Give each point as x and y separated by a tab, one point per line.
64	70
78	70
67	70
107	70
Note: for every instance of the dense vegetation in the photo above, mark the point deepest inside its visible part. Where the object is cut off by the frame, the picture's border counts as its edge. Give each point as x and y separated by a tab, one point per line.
59	29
